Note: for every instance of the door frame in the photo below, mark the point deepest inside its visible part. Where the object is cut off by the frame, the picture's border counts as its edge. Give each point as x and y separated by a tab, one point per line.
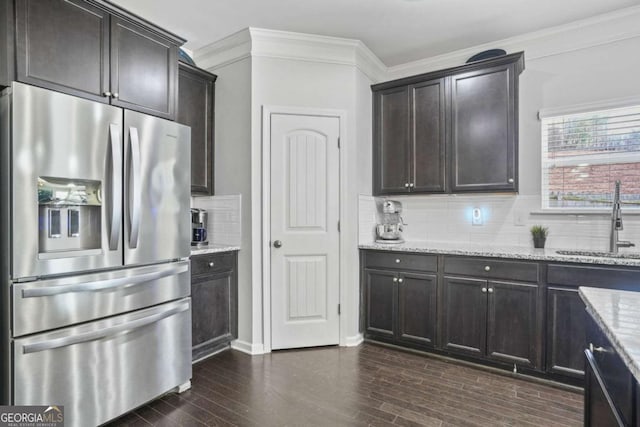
267	112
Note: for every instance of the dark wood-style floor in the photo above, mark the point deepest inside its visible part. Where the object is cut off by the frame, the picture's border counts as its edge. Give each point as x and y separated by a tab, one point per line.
366	385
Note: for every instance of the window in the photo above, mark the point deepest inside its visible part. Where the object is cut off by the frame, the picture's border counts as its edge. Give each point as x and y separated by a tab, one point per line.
583	154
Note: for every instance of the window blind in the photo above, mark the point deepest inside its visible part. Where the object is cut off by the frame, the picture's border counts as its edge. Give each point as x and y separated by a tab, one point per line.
583	154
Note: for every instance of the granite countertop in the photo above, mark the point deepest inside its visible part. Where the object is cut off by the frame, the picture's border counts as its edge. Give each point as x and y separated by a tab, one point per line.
617	313
212	249
495	251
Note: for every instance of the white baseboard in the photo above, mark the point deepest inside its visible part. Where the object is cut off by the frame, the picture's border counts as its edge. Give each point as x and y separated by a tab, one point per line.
354	341
246	347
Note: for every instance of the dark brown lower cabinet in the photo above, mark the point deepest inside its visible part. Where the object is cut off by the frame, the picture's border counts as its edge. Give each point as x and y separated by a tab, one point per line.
417	308
465	315
493	319
381	302
565	332
401	306
214	295
598	406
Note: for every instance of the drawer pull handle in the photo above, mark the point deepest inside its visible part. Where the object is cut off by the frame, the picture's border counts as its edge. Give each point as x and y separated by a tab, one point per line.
211	263
484	290
487	268
397	260
395	279
597	349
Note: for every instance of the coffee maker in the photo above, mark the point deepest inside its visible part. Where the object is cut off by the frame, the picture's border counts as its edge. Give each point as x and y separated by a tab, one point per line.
390	228
199	227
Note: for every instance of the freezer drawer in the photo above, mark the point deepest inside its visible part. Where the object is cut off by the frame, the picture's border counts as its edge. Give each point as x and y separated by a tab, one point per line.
50	304
103	369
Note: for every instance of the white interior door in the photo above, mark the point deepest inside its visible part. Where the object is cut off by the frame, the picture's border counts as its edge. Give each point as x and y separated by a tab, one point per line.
305	177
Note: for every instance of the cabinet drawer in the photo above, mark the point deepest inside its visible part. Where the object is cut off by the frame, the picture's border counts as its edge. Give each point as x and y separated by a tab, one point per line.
401	261
616	376
600	277
212	263
496	269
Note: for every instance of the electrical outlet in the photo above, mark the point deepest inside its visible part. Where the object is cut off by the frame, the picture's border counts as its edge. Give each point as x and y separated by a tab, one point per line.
519	218
476	217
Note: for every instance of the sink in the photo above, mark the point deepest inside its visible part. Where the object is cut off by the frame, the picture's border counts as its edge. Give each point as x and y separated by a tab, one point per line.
630	255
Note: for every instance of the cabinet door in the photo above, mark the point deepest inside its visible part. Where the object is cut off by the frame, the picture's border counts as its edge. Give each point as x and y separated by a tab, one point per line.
464	315
195	109
484	130
512	325
211	323
391	141
382	292
566	337
428	137
598	405
63	45
417	308
144	70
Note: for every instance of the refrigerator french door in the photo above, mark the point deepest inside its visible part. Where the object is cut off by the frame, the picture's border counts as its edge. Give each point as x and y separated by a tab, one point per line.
97	307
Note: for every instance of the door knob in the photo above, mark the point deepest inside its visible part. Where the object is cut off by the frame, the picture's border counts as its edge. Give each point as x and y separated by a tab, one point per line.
277	244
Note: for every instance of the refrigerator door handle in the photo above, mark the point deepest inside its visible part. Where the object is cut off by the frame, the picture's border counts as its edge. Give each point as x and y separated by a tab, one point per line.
101	285
116	186
103	333
135	193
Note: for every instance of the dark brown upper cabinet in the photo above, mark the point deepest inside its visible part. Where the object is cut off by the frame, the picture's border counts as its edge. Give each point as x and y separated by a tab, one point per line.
448	131
196	96
484	130
409	153
91	49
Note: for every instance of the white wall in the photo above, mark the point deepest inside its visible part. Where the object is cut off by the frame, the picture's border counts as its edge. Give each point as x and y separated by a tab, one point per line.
553	79
232	164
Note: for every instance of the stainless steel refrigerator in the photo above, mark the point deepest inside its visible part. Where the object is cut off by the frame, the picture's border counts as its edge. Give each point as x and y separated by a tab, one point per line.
95	239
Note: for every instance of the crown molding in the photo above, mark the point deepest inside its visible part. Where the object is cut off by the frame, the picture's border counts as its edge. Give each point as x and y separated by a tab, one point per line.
228	50
598	30
259	42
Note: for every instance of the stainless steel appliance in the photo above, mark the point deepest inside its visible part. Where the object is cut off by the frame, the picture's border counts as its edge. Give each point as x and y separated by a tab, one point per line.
390	228
199	219
96	307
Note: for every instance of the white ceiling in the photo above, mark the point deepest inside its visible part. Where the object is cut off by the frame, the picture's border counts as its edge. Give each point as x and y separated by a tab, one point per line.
397	31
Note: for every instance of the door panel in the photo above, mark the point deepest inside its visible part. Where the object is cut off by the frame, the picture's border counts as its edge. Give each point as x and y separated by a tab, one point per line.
483	130
65	140
63	45
566	332
381	291
465	315
157	190
512	326
144	70
428	136
102	369
304	217
417	308
391	155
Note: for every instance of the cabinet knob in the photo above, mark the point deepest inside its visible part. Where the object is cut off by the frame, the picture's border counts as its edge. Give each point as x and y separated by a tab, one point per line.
277	244
106	94
400	280
115	95
406	185
395	279
411	185
484	290
487	268
211	263
397	260
510	180
490	290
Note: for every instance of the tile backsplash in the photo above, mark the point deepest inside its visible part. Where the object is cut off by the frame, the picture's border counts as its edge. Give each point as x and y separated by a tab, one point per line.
224	226
506	221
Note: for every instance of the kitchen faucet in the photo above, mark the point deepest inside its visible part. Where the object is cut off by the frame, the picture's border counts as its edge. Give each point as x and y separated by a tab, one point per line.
616	224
